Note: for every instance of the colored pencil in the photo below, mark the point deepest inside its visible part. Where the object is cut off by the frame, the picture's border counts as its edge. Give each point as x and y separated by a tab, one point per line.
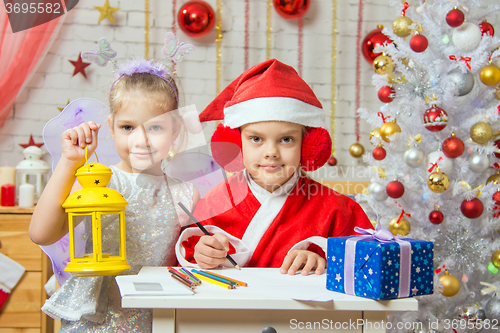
218	283
186	277
216	278
180	277
205	231
240	283
194	278
182	281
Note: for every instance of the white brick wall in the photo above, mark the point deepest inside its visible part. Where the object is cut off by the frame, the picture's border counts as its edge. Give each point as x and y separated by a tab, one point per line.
52	85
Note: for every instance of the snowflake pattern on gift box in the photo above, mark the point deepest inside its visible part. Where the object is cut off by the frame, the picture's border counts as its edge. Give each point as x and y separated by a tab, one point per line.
377	268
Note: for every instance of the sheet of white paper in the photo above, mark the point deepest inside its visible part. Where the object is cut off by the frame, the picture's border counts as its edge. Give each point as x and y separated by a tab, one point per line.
270	282
154	285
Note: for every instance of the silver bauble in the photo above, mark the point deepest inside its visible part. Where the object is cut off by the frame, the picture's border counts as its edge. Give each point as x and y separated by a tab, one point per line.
478	162
414	157
492	308
464	81
481	314
377	191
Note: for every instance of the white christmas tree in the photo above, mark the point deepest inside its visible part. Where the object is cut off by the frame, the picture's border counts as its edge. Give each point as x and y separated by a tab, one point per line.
434	171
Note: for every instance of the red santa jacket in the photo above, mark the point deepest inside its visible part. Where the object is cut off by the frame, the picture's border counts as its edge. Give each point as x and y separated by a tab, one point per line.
311	209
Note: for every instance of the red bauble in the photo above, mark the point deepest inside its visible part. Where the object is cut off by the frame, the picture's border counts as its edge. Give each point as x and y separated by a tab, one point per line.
384	94
436	217
395	189
472	208
455	18
291	9
496	197
196	18
419	43
435	119
497	144
373	39
453	147
332	161
379	153
486	28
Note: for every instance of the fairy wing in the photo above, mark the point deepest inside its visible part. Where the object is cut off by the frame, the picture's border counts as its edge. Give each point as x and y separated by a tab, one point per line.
78	111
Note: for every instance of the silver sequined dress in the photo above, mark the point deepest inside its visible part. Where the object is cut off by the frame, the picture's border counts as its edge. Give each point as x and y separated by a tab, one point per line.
153	222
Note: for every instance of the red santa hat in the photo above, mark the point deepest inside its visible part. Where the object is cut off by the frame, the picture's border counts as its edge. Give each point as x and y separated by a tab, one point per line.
269	91
11	274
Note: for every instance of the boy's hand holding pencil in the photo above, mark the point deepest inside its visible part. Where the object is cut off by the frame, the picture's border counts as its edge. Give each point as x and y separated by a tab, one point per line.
211	251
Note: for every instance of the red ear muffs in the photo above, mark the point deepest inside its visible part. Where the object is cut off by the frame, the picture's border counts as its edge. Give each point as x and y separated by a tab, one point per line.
226	148
316	148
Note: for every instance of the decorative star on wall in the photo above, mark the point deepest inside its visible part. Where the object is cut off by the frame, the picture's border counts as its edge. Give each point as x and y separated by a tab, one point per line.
31	143
60	109
79	66
106	12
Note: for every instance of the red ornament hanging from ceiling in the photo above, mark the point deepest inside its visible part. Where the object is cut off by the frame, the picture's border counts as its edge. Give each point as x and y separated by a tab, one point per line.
291	9
196	18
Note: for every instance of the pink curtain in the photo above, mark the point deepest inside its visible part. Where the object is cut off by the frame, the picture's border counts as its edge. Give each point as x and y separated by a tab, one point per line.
20	54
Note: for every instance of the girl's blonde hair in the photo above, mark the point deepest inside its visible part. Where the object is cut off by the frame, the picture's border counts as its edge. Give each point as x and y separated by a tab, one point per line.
163	92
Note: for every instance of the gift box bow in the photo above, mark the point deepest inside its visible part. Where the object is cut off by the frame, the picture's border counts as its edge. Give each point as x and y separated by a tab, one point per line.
382	235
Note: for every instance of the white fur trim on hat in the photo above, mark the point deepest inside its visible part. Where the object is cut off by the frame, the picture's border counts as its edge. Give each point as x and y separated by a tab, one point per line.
274	109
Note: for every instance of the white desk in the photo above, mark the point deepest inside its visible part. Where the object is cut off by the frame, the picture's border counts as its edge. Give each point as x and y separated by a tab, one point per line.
214	309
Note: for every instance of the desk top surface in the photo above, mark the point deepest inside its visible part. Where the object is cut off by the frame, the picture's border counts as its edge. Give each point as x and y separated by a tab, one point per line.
214	297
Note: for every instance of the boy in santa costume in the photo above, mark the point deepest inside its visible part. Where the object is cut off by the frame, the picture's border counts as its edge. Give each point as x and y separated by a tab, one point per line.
270	213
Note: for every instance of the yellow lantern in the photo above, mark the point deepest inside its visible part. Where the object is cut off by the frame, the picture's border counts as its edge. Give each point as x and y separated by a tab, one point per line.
95	201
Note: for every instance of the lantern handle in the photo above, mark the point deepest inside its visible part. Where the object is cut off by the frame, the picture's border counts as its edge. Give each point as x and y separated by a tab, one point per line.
86	154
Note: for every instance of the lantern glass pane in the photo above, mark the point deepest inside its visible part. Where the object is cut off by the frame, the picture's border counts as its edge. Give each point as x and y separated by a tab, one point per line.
110	235
83	236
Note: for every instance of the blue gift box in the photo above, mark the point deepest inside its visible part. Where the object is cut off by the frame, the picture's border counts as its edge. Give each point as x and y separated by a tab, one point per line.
366	267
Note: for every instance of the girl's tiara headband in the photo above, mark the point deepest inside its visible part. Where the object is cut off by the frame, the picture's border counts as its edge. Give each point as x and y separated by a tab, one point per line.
172	50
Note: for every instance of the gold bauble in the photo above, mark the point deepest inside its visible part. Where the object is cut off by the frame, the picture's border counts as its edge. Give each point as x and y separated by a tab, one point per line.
402	228
400	26
438	182
356	150
389	129
490	75
494	178
497	93
481	132
383	65
495	258
450	284
375	134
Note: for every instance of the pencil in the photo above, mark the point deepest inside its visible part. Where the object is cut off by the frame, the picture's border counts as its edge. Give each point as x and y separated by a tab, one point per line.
210	280
186	277
182	281
182	278
240	283
216	278
194	278
228	257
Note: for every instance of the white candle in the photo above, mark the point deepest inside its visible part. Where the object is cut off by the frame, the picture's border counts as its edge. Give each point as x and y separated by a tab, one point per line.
26	195
7	175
